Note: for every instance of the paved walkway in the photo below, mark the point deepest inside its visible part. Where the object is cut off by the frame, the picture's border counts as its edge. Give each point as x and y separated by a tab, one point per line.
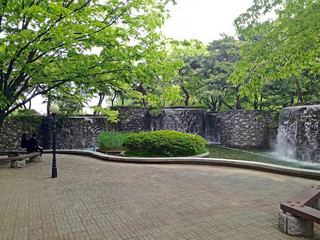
94	199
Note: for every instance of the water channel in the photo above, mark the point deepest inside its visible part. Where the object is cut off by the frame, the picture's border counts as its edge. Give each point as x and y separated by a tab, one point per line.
258	155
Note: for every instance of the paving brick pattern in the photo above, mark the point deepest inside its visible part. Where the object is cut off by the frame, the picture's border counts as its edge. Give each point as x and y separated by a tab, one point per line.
94	199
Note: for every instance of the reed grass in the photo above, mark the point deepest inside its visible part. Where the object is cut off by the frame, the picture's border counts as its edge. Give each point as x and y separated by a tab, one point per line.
109	140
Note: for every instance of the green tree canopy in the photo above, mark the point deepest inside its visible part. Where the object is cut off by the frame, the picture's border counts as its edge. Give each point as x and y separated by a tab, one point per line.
286	47
188	79
217	66
46	44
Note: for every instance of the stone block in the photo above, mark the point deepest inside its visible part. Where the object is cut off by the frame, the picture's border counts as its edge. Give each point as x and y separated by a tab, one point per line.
294	226
299	227
18	164
36	159
283	221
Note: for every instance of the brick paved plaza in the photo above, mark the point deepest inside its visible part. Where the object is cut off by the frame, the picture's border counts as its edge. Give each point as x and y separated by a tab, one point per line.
94	199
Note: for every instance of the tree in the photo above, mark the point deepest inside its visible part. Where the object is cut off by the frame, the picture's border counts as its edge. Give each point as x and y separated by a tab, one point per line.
188	78
217	66
287	47
46	44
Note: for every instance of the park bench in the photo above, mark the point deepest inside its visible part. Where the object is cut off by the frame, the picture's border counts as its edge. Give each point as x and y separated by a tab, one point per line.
18	158
299	212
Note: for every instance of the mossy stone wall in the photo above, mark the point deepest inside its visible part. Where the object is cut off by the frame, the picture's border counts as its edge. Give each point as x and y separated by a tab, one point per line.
241	128
244	129
13	128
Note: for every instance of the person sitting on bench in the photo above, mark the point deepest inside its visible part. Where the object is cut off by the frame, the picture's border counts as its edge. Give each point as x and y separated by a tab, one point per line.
32	145
24	141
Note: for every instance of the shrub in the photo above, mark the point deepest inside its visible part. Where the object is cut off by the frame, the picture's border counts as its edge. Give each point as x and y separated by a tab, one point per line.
107	140
156	112
164	143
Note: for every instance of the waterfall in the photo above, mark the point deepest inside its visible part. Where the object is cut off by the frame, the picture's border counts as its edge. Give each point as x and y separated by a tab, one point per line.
188	120
298	133
212	132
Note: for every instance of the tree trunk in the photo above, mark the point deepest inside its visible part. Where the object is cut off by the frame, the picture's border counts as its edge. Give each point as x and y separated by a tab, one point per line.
186	101
48	106
238	104
213	104
101	98
3	116
255	102
143	91
231	108
298	89
113	98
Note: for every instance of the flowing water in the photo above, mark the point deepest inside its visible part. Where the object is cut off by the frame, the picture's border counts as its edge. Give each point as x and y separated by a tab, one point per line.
298	133
191	120
258	155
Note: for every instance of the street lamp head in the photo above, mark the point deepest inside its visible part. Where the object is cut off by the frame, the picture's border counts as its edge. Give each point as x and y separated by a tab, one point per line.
54	109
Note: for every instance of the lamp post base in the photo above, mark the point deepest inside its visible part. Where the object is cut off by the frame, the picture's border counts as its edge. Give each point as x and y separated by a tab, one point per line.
54	173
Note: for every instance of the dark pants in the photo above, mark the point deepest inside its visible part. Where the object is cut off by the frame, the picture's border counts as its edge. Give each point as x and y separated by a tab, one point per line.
38	150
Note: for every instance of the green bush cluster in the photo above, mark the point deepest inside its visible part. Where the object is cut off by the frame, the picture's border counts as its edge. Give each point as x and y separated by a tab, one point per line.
164	143
107	140
156	112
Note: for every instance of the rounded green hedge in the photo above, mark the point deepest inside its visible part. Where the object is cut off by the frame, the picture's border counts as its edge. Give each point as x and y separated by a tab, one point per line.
164	143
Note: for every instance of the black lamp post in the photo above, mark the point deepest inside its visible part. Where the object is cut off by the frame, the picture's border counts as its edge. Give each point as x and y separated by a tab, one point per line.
54	109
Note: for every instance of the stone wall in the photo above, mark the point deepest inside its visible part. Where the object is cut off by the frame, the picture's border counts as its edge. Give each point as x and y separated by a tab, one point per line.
187	120
299	130
79	132
13	128
133	119
243	129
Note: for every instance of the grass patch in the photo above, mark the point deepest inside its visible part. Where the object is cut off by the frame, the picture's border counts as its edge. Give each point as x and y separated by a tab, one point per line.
109	140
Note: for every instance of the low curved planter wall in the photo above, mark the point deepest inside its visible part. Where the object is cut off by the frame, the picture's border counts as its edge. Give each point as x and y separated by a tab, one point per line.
201	160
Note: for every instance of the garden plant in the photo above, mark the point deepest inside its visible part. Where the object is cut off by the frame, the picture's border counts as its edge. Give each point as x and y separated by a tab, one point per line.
111	140
164	143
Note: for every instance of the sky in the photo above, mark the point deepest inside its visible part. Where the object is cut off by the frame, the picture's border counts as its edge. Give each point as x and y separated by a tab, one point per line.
203	20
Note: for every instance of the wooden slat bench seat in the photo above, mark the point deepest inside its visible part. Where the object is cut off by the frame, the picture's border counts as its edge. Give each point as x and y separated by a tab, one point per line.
21	157
17	156
305	208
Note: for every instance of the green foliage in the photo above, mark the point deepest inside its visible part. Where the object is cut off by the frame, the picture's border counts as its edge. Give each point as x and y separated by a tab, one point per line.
156	112
217	66
107	140
164	144
273	126
259	118
113	115
28	117
278	49
188	79
153	101
173	96
46	48
63	119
